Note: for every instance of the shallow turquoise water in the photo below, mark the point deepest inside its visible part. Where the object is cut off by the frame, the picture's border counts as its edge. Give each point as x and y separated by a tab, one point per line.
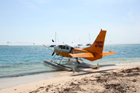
27	60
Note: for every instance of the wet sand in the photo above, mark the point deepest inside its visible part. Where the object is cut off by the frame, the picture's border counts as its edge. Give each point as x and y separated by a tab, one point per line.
109	78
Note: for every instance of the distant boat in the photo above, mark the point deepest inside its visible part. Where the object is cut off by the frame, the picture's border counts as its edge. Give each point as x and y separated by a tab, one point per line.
79	44
88	44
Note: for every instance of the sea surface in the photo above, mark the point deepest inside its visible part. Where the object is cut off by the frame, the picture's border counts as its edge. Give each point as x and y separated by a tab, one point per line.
27	60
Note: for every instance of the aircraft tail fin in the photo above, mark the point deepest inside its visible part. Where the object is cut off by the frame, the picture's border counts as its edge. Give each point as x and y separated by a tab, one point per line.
97	46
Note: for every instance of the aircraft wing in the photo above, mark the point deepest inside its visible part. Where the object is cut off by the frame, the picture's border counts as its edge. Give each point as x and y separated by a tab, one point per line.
108	53
83	55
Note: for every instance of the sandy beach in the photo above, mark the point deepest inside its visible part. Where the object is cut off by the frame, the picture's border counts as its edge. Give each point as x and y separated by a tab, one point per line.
121	78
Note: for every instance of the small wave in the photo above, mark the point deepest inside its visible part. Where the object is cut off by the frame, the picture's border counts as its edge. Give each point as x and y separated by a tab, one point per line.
28	73
18	64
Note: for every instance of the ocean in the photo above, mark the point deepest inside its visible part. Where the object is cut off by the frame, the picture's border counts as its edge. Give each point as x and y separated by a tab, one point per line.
27	60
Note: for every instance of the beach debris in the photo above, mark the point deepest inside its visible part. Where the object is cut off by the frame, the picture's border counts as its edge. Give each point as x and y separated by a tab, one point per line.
124	81
134	80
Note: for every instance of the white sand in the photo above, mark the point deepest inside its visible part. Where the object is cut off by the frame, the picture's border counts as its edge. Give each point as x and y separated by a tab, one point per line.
41	82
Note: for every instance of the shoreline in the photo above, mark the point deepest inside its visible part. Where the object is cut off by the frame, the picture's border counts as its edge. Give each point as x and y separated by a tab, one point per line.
33	82
9	82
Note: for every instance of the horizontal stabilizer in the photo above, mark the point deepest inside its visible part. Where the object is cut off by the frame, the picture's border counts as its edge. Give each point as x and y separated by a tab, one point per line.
108	53
81	55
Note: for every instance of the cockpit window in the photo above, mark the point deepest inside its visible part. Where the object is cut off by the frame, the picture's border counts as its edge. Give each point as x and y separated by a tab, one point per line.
63	47
67	48
60	46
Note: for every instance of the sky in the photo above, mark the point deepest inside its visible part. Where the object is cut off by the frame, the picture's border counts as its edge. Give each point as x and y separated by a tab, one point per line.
72	20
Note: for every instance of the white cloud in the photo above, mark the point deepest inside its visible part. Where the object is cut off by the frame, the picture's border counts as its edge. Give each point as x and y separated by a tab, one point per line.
130	15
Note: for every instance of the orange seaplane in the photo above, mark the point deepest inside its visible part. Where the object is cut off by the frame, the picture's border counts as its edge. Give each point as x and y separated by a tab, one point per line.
91	53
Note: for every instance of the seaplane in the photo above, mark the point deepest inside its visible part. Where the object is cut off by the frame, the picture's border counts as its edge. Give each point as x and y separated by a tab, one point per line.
75	55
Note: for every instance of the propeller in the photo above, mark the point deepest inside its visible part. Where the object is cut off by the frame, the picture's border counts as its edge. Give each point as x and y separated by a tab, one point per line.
48	47
53	51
